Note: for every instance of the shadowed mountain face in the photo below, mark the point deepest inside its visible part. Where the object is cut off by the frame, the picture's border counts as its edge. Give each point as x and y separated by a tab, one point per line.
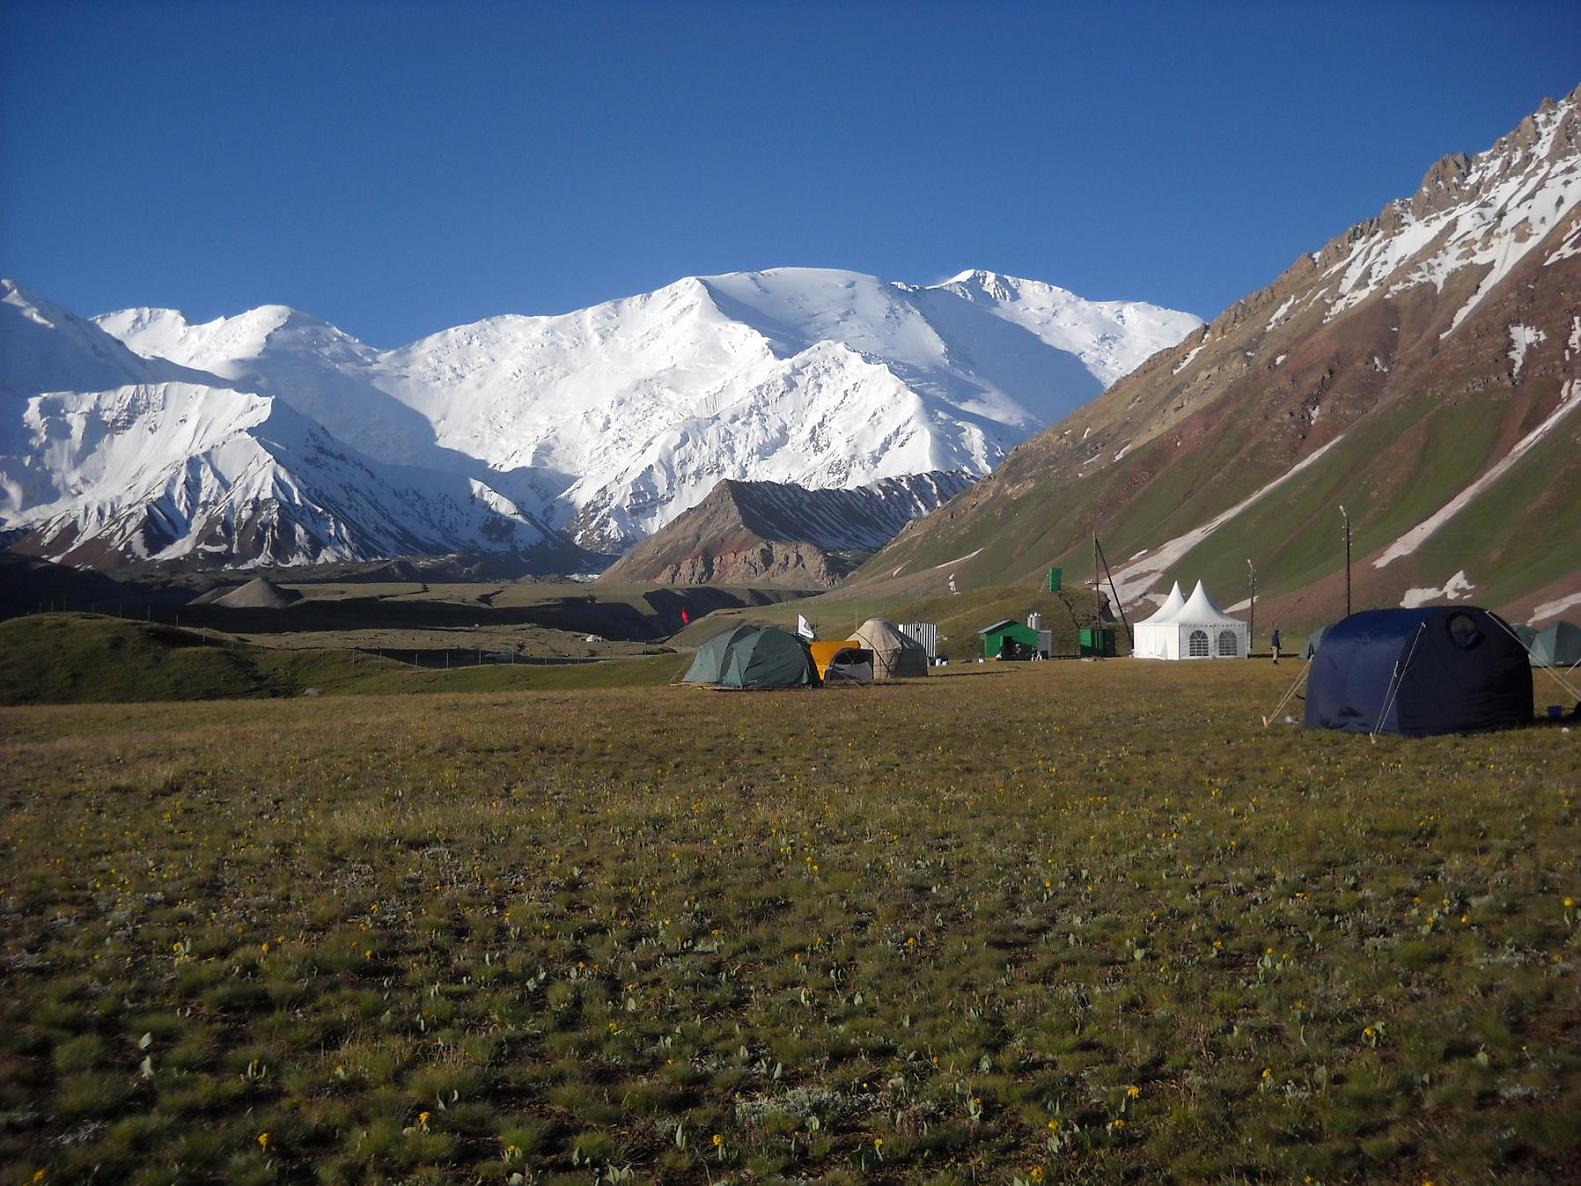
1423	370
774	533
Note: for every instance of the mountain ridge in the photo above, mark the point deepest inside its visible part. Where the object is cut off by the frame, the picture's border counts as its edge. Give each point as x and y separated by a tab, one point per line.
1390	370
782	534
158	461
609	421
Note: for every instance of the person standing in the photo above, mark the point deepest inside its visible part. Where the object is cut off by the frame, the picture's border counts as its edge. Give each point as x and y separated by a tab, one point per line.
1274	638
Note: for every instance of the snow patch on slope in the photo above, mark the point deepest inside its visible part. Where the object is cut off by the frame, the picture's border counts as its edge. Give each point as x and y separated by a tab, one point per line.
1454	589
1135	578
1552	609
1522	338
1412	540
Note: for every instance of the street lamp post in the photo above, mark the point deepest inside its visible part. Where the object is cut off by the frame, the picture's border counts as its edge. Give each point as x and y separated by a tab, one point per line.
1251	625
1346	517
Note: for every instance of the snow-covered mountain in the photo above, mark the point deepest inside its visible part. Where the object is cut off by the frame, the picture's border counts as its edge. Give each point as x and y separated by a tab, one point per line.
612	420
107	456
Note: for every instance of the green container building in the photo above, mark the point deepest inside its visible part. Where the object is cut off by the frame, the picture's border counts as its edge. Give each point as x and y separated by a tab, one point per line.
1097	641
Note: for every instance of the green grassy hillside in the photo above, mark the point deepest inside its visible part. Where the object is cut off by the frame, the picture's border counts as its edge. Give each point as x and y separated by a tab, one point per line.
75	658
83	658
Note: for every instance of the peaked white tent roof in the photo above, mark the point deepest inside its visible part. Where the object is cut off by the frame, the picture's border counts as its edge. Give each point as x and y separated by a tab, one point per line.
1201	610
1173	604
1190	628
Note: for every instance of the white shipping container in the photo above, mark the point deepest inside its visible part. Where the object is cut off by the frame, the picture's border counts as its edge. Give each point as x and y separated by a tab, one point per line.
927	633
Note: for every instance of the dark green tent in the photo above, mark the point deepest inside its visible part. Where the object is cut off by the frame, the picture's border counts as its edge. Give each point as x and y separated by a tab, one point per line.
753	657
1526	634
1556	645
1314	640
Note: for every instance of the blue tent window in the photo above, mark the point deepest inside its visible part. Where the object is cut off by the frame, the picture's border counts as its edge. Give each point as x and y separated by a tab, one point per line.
1227	648
1197	644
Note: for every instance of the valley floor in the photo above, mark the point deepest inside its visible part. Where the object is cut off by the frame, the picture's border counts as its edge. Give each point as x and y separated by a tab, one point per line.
1064	921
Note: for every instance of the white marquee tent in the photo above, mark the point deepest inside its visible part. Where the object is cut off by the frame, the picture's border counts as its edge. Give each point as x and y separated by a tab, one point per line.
1190	628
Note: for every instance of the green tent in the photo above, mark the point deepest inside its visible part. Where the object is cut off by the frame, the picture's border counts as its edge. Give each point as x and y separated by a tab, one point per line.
1557	645
752	657
1526	634
1314	640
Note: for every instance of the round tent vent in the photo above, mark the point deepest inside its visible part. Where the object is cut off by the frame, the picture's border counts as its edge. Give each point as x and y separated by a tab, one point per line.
1463	631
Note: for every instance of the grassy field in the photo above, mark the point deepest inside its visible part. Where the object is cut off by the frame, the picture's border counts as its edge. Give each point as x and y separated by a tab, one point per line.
1059	922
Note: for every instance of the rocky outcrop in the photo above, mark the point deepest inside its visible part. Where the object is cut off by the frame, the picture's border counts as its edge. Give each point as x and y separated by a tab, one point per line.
779	534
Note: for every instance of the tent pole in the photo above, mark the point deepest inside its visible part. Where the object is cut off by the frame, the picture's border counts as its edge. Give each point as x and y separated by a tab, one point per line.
1394	684
1346	517
1290	691
1251	623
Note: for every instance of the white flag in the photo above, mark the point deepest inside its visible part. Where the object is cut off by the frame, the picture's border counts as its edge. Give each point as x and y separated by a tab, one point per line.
805	628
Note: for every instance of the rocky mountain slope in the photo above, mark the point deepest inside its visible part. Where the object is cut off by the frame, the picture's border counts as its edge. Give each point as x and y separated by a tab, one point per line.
106	456
610	421
1422	370
779	534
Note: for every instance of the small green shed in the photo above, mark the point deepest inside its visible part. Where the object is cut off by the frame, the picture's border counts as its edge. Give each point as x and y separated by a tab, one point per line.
1011	639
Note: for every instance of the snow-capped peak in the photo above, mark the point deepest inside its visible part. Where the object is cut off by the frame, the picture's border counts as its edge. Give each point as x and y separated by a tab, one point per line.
1485	211
614	419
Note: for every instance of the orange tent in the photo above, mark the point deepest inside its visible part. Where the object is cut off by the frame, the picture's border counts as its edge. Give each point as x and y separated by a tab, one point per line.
847	652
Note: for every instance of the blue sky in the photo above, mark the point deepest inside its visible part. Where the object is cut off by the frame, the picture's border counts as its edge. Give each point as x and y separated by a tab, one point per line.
399	167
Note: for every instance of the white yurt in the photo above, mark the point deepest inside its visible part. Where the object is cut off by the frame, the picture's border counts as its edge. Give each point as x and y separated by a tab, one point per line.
1190	628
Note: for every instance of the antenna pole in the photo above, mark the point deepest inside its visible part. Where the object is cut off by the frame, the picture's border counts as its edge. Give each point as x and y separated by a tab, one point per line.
1346	517
1251	625
1095	614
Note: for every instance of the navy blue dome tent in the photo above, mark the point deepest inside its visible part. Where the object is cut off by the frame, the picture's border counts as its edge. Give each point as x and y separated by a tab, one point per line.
1439	669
